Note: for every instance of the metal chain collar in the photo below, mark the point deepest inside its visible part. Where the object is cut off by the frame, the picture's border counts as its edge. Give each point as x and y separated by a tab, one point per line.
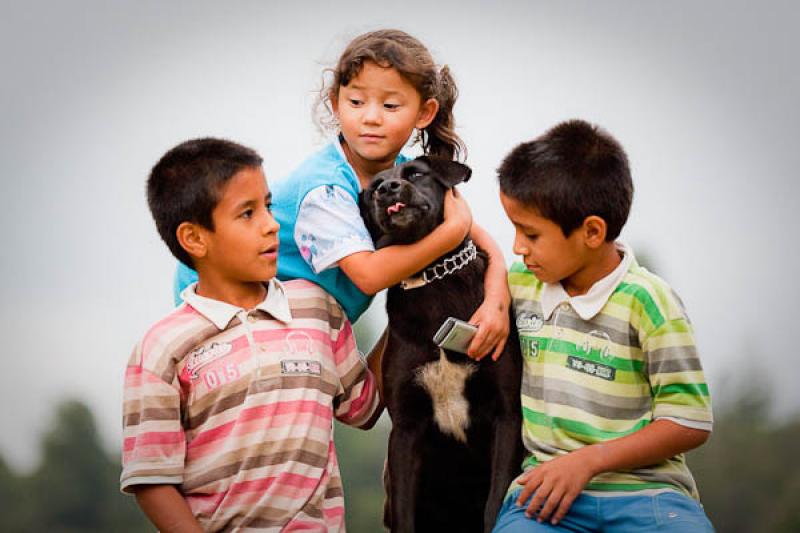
449	265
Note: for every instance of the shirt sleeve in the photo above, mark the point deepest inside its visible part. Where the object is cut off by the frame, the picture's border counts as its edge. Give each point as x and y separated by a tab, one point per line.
357	397
329	227
679	388
154	443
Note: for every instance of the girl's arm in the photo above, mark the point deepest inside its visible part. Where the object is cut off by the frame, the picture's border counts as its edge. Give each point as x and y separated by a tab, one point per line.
492	316
374	271
166	509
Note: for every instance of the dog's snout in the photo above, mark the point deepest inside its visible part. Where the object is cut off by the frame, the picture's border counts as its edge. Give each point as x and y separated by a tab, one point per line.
390	186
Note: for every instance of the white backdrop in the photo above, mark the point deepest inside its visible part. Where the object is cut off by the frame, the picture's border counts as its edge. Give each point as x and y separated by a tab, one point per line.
702	95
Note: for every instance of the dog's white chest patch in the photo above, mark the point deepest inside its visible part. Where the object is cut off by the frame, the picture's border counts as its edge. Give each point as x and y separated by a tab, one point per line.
445	381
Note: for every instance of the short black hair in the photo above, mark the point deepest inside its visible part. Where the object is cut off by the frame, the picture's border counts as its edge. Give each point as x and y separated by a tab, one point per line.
186	183
573	171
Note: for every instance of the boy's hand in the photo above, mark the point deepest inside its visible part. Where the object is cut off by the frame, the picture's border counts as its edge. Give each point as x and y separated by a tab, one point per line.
557	483
457	213
493	327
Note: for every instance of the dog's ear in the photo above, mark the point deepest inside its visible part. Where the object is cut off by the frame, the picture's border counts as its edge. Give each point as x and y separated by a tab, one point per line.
449	173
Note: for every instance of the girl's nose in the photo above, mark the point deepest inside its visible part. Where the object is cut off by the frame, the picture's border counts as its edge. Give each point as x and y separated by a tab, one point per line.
372	114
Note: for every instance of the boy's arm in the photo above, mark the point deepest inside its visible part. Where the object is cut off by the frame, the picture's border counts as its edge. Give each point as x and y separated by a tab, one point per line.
374	271
492	316
357	402
559	481
166	508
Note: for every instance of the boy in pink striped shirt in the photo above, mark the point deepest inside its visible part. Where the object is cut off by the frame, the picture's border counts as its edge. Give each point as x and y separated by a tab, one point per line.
229	400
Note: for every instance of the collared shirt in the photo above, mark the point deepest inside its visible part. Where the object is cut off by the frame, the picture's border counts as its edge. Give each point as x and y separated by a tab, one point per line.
604	365
317	208
235	408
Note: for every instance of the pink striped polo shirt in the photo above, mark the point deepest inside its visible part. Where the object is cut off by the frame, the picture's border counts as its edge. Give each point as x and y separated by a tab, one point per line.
236	408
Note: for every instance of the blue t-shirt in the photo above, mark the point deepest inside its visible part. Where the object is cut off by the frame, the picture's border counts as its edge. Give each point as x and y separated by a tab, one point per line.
317	208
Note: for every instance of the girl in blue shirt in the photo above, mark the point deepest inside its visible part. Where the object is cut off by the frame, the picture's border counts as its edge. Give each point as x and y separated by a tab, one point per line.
384	87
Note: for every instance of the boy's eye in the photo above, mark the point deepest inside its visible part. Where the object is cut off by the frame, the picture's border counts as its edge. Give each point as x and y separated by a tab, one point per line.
391	106
247	213
268	205
356	102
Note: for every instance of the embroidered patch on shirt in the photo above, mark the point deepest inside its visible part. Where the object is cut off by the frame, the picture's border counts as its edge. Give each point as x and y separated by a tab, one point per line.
529	345
206	354
299	366
529	322
593	369
598	341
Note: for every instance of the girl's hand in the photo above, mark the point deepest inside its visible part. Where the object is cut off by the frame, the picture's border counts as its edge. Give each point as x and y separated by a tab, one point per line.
556	483
457	213
493	327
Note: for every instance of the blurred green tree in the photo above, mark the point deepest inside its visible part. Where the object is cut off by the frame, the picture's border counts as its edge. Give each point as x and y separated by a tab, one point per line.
361	457
747	472
16	507
76	486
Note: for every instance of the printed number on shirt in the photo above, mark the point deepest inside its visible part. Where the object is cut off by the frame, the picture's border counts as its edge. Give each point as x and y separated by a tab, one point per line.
214	377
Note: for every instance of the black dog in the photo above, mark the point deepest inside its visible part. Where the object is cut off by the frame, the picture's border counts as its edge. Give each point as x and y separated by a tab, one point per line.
455	443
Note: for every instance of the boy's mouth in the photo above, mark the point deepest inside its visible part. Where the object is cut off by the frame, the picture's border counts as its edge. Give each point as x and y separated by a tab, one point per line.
270	250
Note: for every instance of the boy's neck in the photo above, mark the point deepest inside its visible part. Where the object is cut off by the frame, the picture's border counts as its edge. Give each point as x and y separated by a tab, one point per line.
244	294
601	263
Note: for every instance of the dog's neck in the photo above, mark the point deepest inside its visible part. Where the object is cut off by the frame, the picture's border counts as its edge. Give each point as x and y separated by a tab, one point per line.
446	265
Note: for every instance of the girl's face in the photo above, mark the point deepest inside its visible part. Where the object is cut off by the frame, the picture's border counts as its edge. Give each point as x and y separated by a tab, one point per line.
378	111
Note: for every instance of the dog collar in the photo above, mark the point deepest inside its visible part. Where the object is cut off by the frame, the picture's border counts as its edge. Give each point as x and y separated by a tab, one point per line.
444	268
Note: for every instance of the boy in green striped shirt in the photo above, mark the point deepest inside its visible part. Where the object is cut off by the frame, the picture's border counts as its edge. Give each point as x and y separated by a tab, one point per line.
613	392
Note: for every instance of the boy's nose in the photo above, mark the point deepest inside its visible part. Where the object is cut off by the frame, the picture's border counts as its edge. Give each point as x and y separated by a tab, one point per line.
518	247
271	225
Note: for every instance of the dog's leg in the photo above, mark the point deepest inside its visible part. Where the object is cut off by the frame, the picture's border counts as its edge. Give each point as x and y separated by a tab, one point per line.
387	500
405	462
506	458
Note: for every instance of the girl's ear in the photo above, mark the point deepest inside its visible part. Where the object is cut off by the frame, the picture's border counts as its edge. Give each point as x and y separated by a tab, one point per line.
427	112
594	231
192	239
333	98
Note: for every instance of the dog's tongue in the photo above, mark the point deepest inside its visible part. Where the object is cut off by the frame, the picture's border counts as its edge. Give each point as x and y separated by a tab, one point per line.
395	208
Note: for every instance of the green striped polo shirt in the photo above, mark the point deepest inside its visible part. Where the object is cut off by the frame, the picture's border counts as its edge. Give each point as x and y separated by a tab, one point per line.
630	360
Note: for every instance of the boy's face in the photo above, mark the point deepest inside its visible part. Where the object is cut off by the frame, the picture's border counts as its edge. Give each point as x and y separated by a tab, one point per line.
244	244
547	253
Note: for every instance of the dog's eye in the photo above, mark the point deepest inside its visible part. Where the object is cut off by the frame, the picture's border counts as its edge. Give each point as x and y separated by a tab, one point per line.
414	175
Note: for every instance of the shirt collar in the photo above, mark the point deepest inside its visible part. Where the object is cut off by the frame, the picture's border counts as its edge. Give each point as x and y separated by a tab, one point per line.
221	313
589	304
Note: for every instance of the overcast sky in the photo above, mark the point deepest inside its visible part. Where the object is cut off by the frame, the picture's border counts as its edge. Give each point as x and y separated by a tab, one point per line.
703	95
